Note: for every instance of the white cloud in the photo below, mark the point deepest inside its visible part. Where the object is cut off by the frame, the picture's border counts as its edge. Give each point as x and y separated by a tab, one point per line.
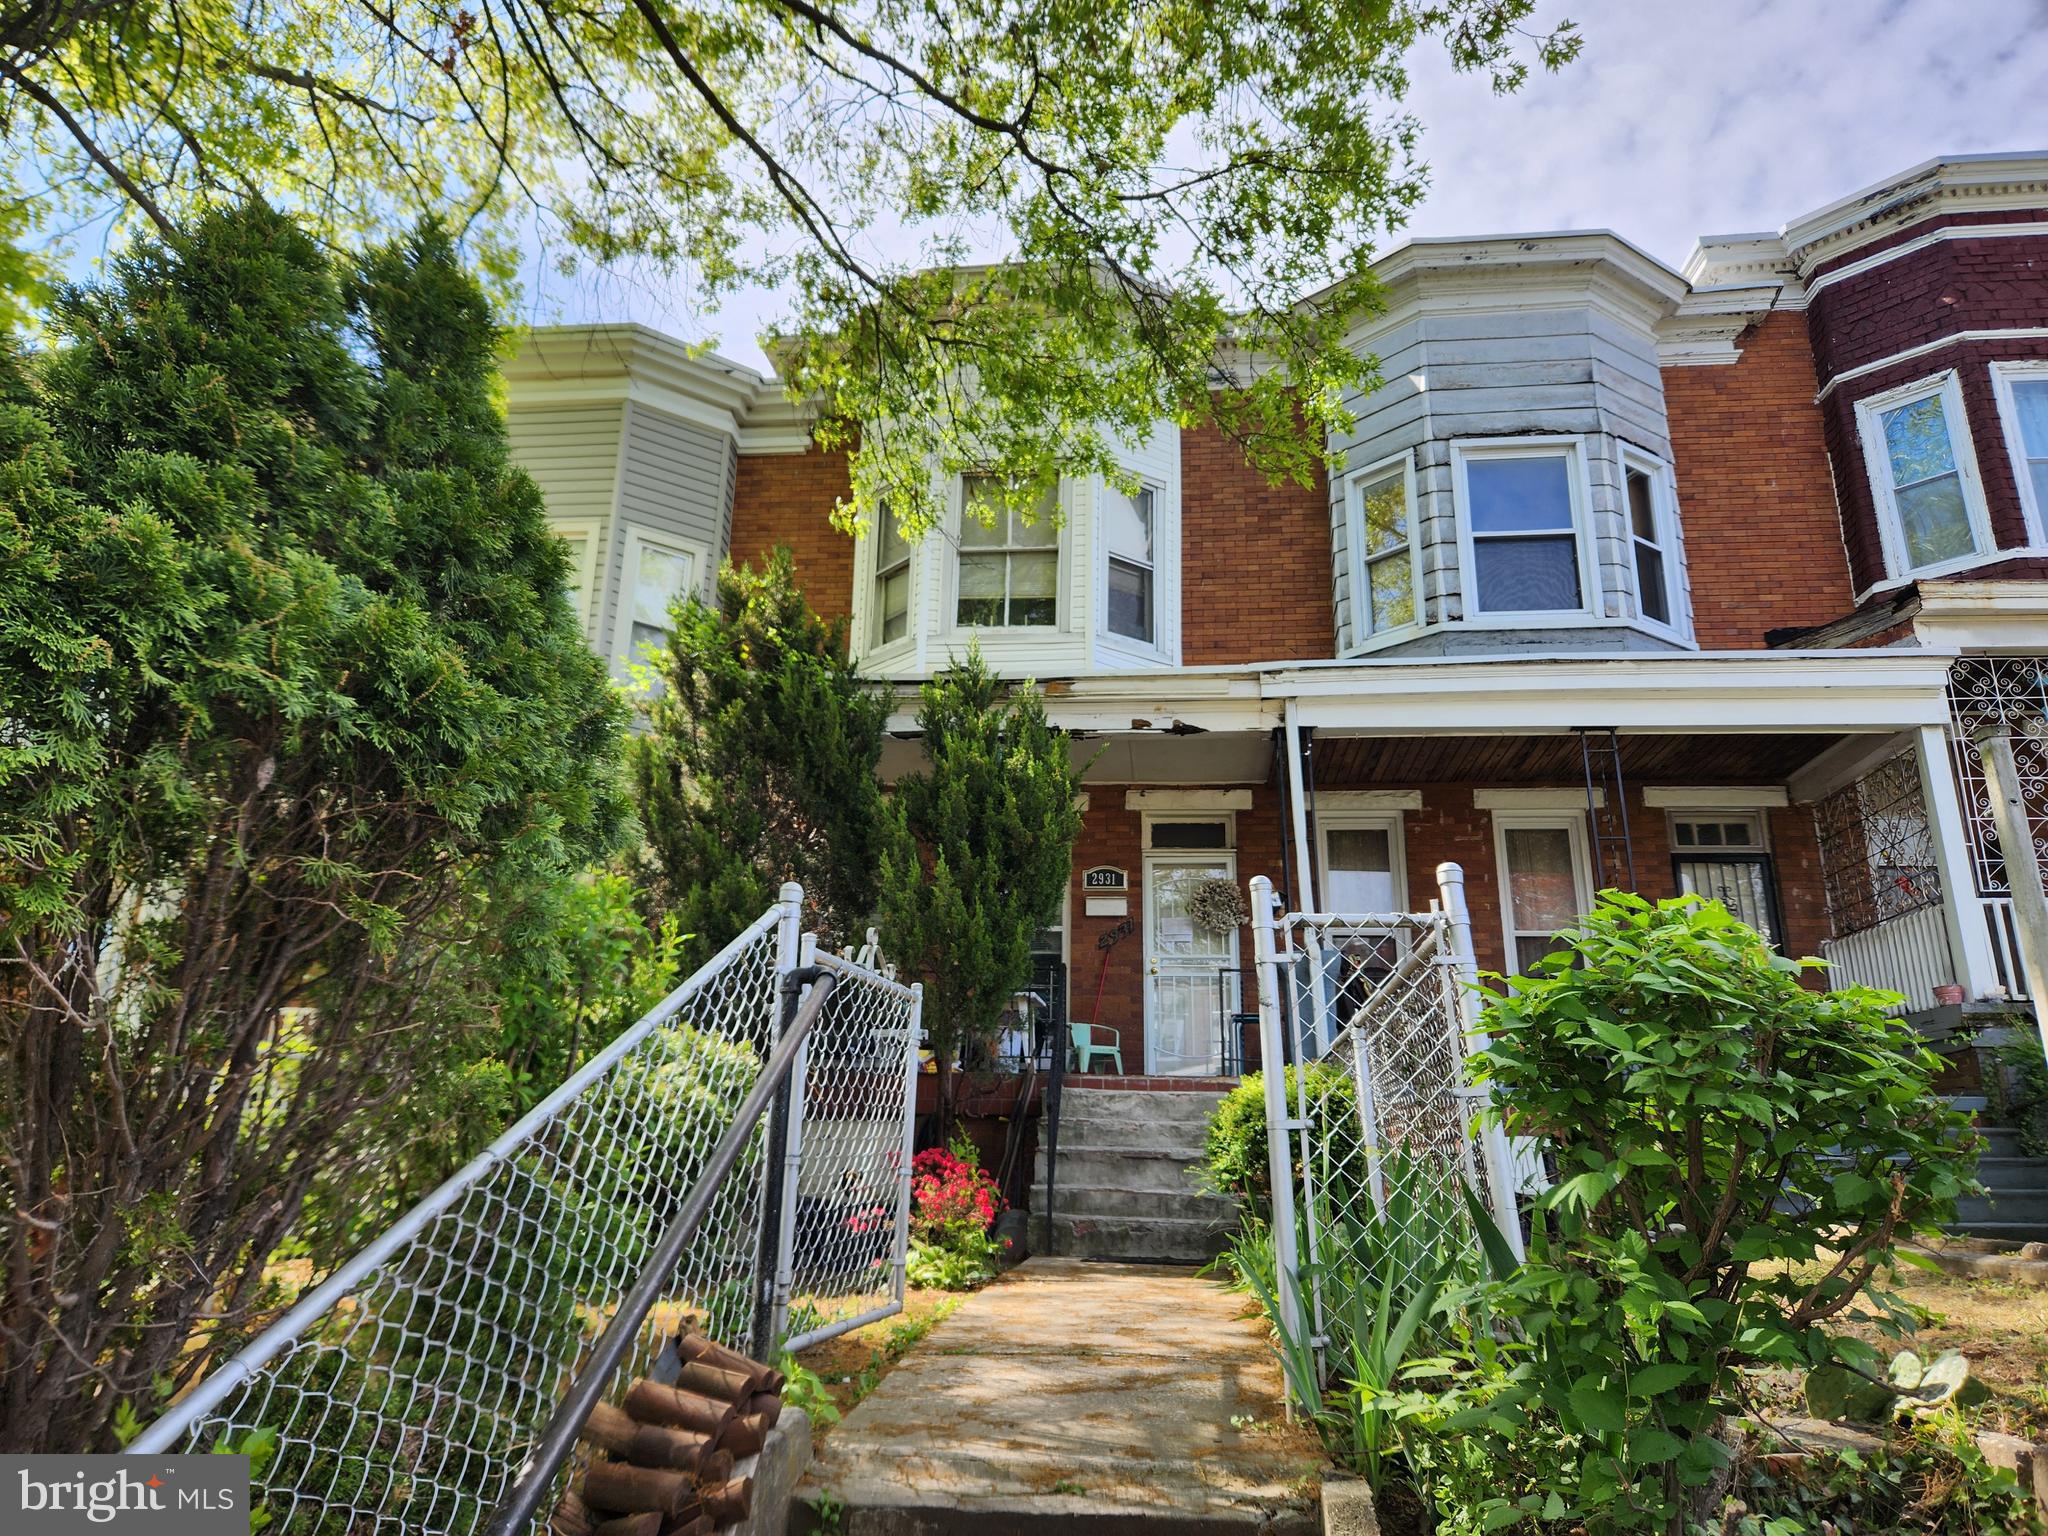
1680	118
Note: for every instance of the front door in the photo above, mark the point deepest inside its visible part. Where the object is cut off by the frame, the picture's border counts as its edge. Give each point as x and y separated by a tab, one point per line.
1191	981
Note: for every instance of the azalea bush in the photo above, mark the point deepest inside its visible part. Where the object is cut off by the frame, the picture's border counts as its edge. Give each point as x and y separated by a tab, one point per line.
954	1203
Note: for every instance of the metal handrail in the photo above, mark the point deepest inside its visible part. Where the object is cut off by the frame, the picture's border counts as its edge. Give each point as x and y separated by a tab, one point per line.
559	1438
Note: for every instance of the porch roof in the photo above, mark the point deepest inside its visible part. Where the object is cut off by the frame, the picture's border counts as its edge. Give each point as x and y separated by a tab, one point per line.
1720	692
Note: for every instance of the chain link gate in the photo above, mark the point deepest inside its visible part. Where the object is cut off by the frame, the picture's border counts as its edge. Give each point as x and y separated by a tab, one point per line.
406	1392
1374	1014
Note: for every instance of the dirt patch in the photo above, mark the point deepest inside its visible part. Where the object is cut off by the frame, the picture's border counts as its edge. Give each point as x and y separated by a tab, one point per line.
854	1363
2001	1327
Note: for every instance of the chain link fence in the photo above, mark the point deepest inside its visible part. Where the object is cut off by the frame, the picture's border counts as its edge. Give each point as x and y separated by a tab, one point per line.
1383	1134
405	1392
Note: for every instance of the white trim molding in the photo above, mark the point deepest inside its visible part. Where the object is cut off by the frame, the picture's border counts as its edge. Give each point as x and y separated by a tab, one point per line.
1928	349
1211	802
1368	800
1572	799
1715	797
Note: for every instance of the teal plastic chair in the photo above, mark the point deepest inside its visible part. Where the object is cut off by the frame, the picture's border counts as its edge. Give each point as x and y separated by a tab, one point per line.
1086	1050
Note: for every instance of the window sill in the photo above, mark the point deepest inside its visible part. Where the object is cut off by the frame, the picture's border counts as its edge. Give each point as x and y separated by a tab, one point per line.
1954	567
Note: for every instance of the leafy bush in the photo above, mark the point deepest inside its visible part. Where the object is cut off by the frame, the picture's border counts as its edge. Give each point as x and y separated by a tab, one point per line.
1717	1127
953	1204
1934	1480
1234	1148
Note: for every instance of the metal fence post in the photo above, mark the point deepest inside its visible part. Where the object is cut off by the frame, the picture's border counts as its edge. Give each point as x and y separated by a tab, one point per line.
1493	1146
1273	1073
776	1253
900	1239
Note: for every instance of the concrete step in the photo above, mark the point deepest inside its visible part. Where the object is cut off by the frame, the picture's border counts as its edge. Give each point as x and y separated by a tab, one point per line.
1120	1104
1146	1238
1178	1205
2005	1206
2003	1231
2001	1141
1136	1168
1138	1135
2013	1172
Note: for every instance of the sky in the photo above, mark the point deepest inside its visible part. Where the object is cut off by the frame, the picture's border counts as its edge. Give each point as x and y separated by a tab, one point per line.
1680	118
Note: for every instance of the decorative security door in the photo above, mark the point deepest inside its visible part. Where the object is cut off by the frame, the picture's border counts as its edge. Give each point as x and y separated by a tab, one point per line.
1190	991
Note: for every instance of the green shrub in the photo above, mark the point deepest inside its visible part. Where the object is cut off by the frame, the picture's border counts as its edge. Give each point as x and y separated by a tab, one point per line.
1737	1156
1234	1148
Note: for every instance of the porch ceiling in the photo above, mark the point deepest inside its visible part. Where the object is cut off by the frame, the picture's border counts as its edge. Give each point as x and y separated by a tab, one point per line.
1342	761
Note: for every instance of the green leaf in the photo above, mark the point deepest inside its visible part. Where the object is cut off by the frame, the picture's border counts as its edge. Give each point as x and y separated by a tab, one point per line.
1599	1407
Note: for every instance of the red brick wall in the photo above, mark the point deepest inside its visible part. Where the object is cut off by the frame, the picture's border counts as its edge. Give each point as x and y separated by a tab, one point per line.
787	498
1254	560
1448	827
1953	286
1752	462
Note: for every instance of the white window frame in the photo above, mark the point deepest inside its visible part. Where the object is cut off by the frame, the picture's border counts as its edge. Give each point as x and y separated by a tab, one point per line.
871	616
1573	447
1759	820
1226	819
2004	375
1664	514
636	538
1877	470
1390	822
957	515
1574	825
1160	569
1363	635
586	533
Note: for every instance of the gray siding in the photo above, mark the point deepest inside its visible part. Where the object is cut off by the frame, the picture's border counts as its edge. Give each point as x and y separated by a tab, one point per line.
1573	370
572	452
676	479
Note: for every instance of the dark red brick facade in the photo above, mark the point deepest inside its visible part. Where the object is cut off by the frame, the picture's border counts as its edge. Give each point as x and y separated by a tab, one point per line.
1919	299
1752	465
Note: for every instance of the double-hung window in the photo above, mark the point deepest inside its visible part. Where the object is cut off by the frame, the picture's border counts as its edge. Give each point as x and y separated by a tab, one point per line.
890	620
658	575
1545	881
1383	533
1649	534
2023	407
1923	477
1129	534
1009	566
1522	513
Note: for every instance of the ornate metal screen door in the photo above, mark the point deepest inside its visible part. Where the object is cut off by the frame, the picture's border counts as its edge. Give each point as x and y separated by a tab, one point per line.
1186	1009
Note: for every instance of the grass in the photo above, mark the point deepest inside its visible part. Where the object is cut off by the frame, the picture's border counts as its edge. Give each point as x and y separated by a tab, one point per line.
2001	1327
852	1365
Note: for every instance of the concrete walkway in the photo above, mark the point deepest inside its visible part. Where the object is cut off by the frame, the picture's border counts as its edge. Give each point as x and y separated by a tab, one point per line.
1077	1397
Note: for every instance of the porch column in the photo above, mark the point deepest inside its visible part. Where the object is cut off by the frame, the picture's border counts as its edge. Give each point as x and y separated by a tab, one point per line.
1968	941
2022	866
1297	804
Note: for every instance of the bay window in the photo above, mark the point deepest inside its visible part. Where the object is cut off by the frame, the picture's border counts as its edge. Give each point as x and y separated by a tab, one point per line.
1923	476
1522	509
1008	566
